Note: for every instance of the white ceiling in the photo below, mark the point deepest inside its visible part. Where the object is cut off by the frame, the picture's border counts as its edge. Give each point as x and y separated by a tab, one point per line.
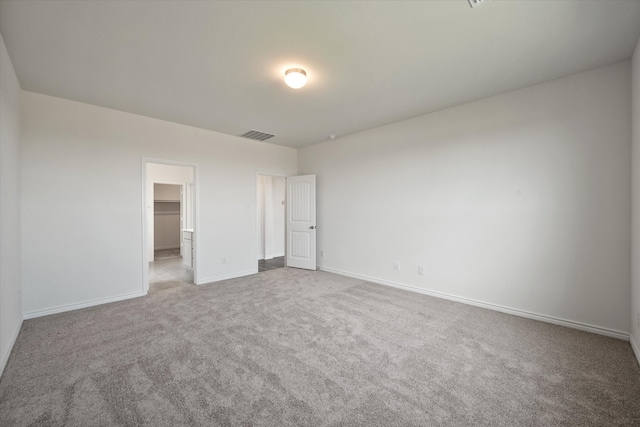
219	65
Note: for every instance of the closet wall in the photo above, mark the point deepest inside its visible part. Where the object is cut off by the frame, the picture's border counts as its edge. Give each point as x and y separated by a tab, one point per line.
166	216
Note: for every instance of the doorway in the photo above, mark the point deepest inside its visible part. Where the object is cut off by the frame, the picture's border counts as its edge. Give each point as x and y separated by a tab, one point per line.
170	232
168	270
270	221
167	220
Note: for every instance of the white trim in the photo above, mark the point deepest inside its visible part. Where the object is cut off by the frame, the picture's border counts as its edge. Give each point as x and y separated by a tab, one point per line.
145	255
195	252
77	306
12	342
227	276
496	307
635	348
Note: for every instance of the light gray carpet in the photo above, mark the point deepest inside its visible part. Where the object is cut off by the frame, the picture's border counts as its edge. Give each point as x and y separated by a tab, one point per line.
291	347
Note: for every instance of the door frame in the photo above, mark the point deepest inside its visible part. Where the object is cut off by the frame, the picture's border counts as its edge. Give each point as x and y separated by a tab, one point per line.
196	216
255	220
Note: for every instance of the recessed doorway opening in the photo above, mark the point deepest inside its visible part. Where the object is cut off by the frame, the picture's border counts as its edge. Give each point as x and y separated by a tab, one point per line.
270	221
169	225
168	269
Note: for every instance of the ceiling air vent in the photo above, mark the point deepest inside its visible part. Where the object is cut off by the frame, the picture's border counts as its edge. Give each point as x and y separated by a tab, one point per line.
256	134
475	3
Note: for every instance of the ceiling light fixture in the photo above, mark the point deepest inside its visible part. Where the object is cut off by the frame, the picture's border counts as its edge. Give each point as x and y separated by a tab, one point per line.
295	78
475	3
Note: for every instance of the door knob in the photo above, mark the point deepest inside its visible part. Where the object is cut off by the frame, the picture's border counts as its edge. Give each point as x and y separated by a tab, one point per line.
312	227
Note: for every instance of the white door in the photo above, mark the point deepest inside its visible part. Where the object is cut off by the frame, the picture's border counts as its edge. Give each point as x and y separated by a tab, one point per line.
301	222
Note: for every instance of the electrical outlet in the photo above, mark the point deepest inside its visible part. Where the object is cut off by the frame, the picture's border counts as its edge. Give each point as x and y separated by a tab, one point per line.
224	260
396	266
322	254
420	270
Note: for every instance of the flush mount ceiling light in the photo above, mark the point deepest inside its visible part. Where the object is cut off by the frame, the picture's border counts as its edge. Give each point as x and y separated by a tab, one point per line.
475	3
295	78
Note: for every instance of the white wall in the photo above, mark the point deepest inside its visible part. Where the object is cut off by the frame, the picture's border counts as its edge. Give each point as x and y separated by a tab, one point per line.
10	278
270	217
521	200
82	191
635	253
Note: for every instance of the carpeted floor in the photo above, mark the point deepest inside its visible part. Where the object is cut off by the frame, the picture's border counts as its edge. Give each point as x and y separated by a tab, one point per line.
291	347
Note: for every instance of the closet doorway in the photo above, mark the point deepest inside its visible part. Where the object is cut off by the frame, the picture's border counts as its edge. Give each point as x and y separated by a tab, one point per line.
270	221
170	234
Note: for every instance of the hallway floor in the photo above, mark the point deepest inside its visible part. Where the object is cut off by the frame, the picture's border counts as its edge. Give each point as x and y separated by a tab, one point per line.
270	264
166	254
169	273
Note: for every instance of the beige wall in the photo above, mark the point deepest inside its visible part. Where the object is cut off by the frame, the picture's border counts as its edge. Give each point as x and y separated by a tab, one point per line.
166	210
166	192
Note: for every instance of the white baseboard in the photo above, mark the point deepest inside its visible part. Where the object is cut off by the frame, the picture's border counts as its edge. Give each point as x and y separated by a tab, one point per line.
635	348
227	276
496	307
61	309
12	342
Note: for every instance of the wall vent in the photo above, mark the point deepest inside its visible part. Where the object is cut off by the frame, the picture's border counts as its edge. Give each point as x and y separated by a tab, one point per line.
256	134
475	3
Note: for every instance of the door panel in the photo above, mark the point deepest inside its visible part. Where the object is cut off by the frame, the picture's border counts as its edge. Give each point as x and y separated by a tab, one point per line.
301	222
300	244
